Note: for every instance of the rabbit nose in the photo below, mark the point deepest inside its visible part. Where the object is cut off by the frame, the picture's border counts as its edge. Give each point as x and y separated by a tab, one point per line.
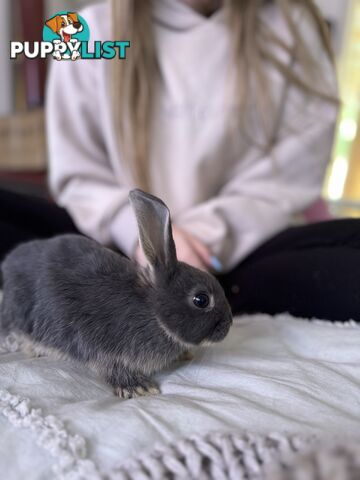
77	25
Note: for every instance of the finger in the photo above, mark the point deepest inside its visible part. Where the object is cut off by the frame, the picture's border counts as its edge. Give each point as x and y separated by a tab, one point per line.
200	249
196	262
186	251
193	259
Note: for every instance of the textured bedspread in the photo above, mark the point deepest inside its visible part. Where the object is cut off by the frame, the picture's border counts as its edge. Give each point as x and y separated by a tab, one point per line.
270	375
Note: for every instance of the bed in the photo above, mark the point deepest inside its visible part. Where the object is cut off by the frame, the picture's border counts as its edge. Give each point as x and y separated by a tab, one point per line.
280	378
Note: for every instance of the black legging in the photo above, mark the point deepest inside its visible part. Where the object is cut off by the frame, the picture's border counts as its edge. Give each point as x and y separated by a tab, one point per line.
308	271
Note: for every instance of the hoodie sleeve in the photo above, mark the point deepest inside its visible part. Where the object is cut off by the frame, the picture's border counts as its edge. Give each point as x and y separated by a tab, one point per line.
264	191
81	178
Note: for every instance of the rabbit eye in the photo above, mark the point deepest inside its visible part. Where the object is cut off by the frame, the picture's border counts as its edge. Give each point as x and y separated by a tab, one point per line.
201	300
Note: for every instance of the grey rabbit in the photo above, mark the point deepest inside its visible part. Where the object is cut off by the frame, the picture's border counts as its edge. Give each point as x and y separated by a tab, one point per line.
73	297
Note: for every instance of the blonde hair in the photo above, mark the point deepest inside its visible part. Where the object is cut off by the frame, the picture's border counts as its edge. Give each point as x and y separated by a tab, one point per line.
133	79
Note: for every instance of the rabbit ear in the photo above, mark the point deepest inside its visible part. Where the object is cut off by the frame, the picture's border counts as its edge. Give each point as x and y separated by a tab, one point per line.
154	223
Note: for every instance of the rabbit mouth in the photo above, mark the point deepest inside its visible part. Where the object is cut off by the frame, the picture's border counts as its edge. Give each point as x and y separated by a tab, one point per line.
220	331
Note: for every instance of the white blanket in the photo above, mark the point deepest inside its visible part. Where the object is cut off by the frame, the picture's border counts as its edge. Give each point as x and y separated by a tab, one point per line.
270	374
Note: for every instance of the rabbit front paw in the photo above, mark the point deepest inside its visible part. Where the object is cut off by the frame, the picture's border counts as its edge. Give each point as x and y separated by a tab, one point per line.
130	385
138	389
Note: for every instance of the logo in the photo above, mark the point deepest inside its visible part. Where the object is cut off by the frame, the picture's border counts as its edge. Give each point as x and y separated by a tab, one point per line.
66	36
66	30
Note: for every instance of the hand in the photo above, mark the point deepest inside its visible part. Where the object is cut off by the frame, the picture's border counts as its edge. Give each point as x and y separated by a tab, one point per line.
189	249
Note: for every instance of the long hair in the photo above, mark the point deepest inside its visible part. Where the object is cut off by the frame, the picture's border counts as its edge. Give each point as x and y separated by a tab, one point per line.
134	79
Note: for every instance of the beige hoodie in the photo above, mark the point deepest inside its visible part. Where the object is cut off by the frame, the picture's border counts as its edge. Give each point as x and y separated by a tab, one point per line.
221	188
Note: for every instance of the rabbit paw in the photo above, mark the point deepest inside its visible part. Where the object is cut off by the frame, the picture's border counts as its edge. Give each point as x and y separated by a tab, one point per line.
134	391
139	386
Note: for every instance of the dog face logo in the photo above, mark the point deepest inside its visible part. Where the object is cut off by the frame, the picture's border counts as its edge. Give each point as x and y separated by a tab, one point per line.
66	30
65	25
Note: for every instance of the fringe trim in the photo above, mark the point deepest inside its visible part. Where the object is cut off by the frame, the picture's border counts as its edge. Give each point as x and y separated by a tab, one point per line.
232	456
216	456
68	450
